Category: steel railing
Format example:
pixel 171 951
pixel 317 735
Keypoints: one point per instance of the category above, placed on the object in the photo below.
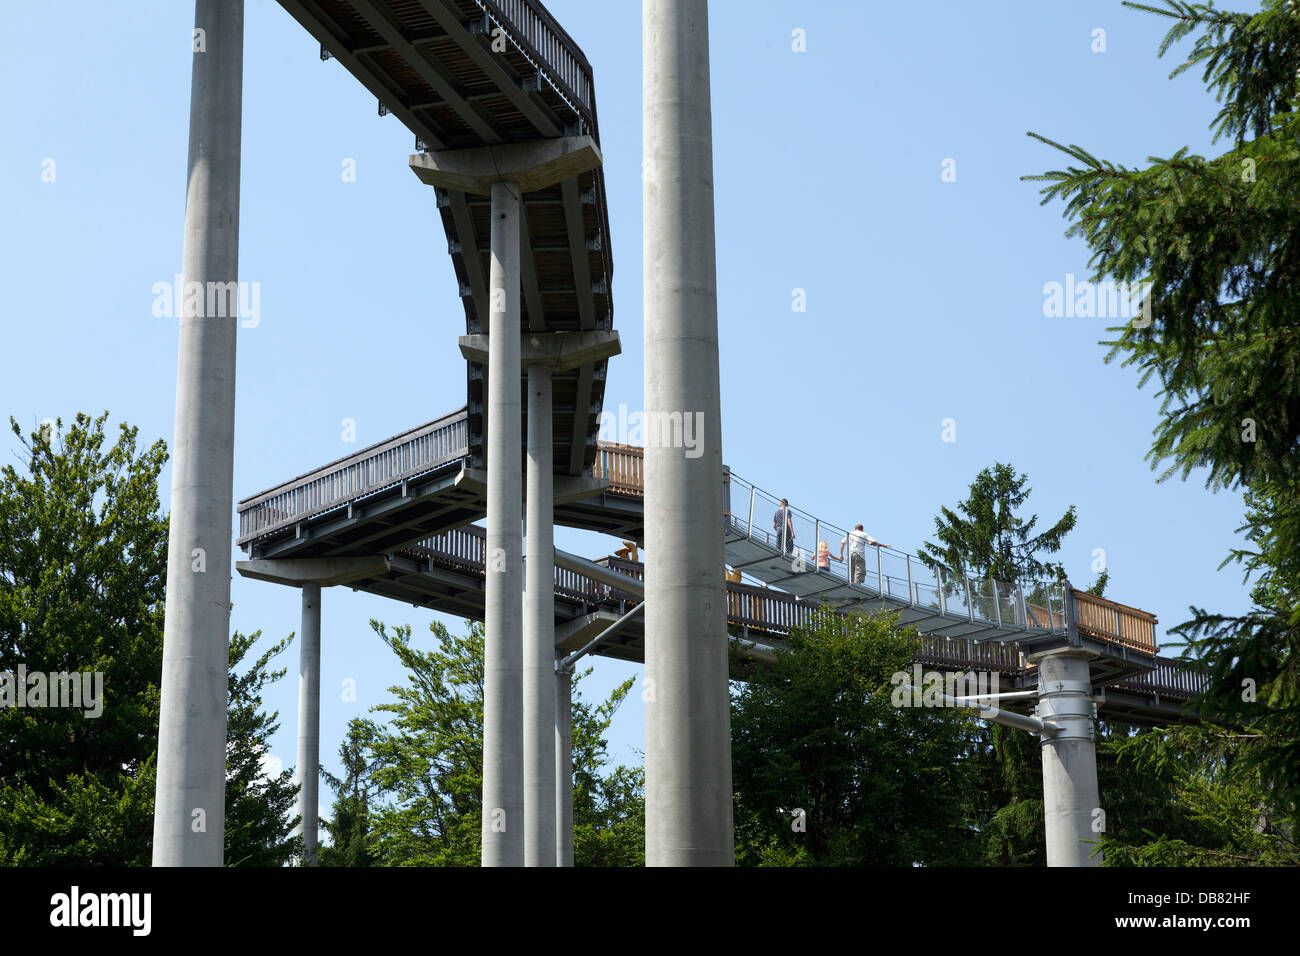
pixel 412 453
pixel 889 572
pixel 543 40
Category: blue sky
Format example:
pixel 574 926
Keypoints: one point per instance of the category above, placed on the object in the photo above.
pixel 924 298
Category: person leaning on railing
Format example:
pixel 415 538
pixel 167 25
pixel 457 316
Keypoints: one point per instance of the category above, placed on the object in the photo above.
pixel 857 541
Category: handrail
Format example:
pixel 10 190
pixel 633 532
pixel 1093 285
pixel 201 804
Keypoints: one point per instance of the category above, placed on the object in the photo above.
pixel 776 613
pixel 372 469
pixel 545 42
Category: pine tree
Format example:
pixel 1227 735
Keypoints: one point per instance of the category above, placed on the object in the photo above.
pixel 355 792
pixel 989 539
pixel 1213 241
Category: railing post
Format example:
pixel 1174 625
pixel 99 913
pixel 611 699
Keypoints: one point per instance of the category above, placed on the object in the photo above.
pixel 997 607
pixel 1020 604
pixel 943 602
pixel 911 592
pixel 752 492
pixel 880 573
pixel 970 604
pixel 817 544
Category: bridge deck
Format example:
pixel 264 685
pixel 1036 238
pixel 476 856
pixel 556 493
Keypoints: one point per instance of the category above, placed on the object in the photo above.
pixel 412 498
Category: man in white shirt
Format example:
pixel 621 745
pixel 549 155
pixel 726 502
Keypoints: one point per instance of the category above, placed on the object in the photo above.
pixel 857 541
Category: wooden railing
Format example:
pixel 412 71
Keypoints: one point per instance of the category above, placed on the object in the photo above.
pixel 1111 621
pixel 421 449
pixel 1171 678
pixel 623 466
pixel 990 655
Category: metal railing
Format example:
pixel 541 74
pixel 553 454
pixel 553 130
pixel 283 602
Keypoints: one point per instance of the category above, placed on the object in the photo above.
pixel 372 469
pixel 777 613
pixel 813 545
pixel 771 612
pixel 543 40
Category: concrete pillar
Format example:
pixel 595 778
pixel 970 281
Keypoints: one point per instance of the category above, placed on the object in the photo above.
pixel 308 777
pixel 688 746
pixel 189 814
pixel 503 752
pixel 563 764
pixel 1070 797
pixel 539 628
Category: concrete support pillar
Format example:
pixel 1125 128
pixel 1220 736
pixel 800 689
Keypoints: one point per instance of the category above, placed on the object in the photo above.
pixel 1070 797
pixel 189 809
pixel 688 746
pixel 505 172
pixel 503 752
pixel 539 628
pixel 309 722
pixel 563 764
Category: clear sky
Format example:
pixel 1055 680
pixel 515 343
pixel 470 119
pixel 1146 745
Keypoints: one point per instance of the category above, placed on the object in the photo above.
pixel 924 297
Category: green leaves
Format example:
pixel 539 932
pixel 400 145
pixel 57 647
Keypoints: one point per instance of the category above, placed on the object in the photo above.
pixel 412 794
pixel 817 731
pixel 83 568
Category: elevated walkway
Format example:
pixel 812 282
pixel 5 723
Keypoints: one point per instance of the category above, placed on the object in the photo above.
pixel 411 502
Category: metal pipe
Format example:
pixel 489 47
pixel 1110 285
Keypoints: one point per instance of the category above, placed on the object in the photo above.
pixel 602 636
pixel 599 572
pixel 1007 718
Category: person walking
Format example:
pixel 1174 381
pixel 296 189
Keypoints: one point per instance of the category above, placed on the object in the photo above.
pixel 824 557
pixel 783 525
pixel 857 541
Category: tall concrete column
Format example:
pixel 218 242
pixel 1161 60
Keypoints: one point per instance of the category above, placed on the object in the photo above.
pixel 309 722
pixel 503 752
pixel 504 172
pixel 688 746
pixel 1070 795
pixel 189 814
pixel 539 628
pixel 563 764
